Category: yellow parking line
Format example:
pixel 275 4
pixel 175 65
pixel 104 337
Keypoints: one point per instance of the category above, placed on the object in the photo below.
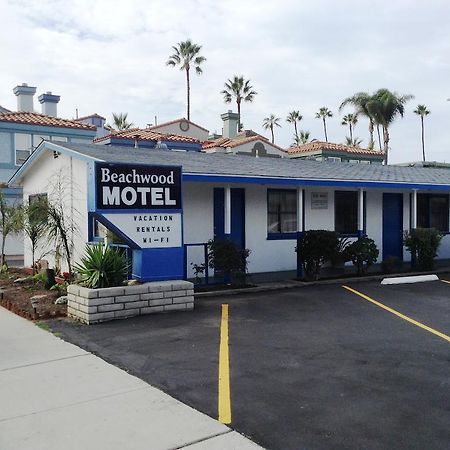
pixel 445 281
pixel 398 314
pixel 224 370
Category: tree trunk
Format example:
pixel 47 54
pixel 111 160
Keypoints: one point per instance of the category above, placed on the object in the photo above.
pixel 238 102
pixel 371 143
pixel 325 129
pixel 423 139
pixel 188 83
pixel 273 137
pixel 68 256
pixel 295 128
pixel 351 132
pixel 379 136
pixel 386 143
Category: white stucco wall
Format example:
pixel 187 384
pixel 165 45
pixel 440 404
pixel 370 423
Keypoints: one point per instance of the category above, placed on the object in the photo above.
pixel 43 177
pixel 279 255
pixel 198 226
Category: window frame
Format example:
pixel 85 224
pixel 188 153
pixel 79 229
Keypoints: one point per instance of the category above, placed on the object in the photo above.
pixel 352 233
pixel 428 197
pixel 30 148
pixel 280 235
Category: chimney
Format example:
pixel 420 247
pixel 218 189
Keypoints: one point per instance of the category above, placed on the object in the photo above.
pixel 24 95
pixel 49 104
pixel 230 124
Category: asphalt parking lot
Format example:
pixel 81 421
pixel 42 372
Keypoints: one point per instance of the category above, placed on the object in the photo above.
pixel 317 367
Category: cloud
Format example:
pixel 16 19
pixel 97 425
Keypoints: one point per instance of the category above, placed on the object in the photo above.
pixel 104 56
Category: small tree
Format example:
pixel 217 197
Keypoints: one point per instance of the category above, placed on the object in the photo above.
pixel 363 253
pixel 61 222
pixel 35 225
pixel 316 247
pixel 227 257
pixel 10 223
pixel 423 244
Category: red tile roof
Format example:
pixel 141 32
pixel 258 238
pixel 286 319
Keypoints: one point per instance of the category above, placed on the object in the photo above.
pixel 154 127
pixel 32 118
pixel 321 146
pixel 147 135
pixel 243 137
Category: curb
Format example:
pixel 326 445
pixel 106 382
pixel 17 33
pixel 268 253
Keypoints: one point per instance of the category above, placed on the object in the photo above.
pixel 292 284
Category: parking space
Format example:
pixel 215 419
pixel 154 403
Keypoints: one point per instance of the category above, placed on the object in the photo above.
pixel 317 367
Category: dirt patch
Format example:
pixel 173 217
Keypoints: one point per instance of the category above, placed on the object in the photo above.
pixel 16 297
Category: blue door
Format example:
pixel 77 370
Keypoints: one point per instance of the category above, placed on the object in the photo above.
pixel 237 215
pixel 393 226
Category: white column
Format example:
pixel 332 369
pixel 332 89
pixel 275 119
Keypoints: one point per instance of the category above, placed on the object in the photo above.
pixel 414 210
pixel 360 210
pixel 300 224
pixel 227 212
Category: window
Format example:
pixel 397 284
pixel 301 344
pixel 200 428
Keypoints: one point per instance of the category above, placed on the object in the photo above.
pixel 432 211
pixel 23 147
pixel 346 212
pixel 364 161
pixel 334 159
pixel 354 161
pixel 281 211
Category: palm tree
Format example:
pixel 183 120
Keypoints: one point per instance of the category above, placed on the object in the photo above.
pixel 294 117
pixel 303 138
pixel 240 90
pixel 384 108
pixel 120 121
pixel 323 114
pixel 353 142
pixel 422 111
pixel 271 122
pixel 186 54
pixel 360 101
pixel 351 120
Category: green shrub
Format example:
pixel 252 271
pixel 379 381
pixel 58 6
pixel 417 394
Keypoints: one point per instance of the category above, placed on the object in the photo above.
pixel 315 248
pixel 363 253
pixel 423 244
pixel 227 257
pixel 102 266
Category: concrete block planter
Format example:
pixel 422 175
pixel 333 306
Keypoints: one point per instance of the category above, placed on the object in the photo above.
pixel 98 305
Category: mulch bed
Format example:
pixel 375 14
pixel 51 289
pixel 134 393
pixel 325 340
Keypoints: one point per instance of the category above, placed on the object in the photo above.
pixel 16 298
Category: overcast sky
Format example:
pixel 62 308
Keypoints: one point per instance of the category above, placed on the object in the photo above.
pixel 104 56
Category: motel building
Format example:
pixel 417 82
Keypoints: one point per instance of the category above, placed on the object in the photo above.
pixel 166 204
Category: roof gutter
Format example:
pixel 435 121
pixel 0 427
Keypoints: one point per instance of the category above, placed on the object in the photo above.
pixel 244 179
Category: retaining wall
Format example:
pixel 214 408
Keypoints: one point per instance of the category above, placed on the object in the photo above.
pixel 99 305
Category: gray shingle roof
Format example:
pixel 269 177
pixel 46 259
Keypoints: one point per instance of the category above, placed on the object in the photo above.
pixel 230 164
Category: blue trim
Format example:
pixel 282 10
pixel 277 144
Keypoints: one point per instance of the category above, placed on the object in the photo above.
pixel 138 211
pixel 300 235
pixel 281 236
pixel 115 230
pixel 12 192
pixel 310 182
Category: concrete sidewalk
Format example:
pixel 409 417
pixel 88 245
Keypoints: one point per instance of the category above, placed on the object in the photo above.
pixel 54 395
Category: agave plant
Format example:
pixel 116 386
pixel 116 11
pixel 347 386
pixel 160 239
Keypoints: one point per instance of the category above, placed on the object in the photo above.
pixel 102 266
